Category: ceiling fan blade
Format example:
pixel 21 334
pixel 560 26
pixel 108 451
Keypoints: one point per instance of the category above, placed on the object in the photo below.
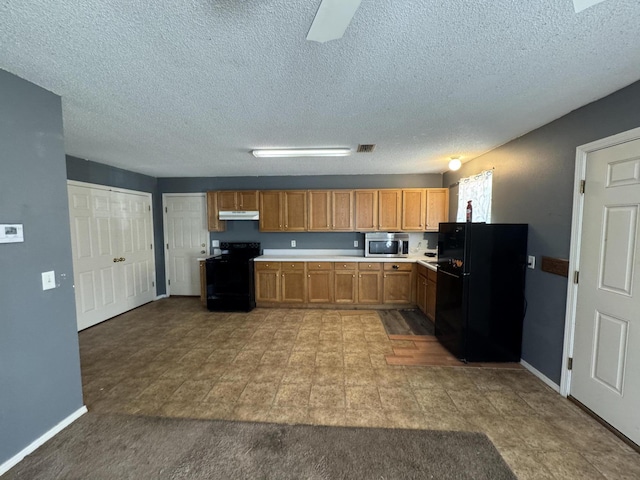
pixel 579 5
pixel 332 19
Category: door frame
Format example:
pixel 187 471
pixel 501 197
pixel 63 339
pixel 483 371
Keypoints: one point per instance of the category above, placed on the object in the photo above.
pixel 165 233
pixel 582 153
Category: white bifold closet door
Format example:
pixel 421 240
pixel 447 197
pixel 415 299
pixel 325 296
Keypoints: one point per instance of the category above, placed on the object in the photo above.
pixel 112 245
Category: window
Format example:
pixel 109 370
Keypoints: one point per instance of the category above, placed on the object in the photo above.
pixel 478 190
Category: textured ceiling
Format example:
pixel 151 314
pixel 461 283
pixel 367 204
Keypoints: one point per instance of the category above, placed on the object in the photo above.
pixel 188 88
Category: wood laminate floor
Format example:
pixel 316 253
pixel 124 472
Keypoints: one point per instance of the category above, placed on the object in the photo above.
pixel 334 367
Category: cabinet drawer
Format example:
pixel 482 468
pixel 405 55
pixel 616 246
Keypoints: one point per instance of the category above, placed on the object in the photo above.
pixel 267 266
pixel 398 267
pixel 312 266
pixel 345 266
pixel 432 275
pixel 295 266
pixel 364 266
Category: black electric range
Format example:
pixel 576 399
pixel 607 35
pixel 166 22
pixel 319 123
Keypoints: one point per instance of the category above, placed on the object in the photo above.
pixel 230 277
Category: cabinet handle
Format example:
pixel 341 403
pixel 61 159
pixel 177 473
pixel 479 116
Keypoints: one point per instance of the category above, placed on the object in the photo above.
pixel 309 276
pixel 360 276
pixel 286 226
pixel 354 276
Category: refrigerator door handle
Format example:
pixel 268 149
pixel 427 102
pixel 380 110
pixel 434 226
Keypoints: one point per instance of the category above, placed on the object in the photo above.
pixel 447 273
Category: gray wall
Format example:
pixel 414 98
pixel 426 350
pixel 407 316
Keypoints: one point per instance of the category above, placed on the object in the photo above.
pixel 39 361
pixel 100 174
pixel 533 183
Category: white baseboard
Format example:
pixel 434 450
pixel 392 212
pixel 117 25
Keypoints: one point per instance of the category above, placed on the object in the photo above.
pixel 13 461
pixel 160 297
pixel 541 376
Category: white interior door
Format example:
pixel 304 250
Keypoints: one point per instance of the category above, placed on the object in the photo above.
pixel 111 242
pixel 187 236
pixel 606 355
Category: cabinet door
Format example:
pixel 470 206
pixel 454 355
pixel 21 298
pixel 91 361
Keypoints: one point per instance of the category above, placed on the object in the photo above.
pixel 437 208
pixel 370 287
pixel 295 211
pixel 320 283
pixel 431 295
pixel 270 211
pixel 247 200
pixel 227 200
pixel 319 210
pixel 366 210
pixel 342 210
pixel 203 283
pixel 345 285
pixel 294 282
pixel 397 287
pixel 213 222
pixel 389 210
pixel 421 293
pixel 414 209
pixel 267 282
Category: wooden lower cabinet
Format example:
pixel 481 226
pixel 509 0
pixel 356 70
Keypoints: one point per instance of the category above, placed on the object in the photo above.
pixel 203 282
pixel 294 282
pixel 351 283
pixel 268 281
pixel 369 283
pixel 398 285
pixel 432 279
pixel 320 282
pixel 421 288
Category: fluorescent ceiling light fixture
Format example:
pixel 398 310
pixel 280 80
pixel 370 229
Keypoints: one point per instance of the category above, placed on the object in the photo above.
pixel 332 19
pixel 302 152
pixel 455 163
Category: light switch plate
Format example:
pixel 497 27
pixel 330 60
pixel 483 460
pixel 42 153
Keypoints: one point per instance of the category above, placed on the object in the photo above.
pixel 48 280
pixel 293 243
pixel 355 243
pixel 531 262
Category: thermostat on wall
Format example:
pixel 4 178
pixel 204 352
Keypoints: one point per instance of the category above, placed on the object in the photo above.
pixel 11 233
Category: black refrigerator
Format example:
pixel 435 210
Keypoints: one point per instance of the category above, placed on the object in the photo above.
pixel 480 298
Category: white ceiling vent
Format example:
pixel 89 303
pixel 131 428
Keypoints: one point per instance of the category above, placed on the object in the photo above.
pixel 366 148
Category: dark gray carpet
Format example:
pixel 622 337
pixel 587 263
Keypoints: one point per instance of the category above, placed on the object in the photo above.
pixel 406 322
pixel 134 447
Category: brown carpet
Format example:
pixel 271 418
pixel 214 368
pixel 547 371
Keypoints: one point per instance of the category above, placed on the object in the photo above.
pixel 135 447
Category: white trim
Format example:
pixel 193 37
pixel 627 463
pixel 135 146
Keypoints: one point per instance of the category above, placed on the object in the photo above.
pixel 13 461
pixel 541 376
pixel 165 234
pixel 160 297
pixel 576 233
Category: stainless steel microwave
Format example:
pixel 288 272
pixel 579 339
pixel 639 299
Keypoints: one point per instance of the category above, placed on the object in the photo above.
pixel 382 244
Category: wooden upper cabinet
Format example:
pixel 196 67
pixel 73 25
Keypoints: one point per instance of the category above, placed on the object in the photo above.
pixel 270 211
pixel 366 217
pixel 295 211
pixel 437 208
pixel 320 210
pixel 389 210
pixel 213 222
pixel 414 208
pixel 342 210
pixel 241 200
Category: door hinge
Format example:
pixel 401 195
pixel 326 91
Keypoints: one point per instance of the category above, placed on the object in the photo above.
pixel 570 363
pixel 153 284
pixel 582 185
pixel 149 207
pixel 151 246
pixel 576 276
pixel 167 246
pixel 166 210
pixel 169 282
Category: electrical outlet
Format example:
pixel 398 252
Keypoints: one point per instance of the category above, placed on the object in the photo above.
pixel 531 262
pixel 355 243
pixel 215 243
pixel 48 280
pixel 293 243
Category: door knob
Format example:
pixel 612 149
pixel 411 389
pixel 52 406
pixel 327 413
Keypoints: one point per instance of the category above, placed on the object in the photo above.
pixel 202 251
pixel 115 260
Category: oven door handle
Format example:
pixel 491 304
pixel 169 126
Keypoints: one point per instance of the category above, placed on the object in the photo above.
pixel 447 273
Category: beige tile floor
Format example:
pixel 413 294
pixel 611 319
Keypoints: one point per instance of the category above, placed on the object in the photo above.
pixel 327 367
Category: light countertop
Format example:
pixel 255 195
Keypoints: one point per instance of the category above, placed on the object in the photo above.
pixel 422 260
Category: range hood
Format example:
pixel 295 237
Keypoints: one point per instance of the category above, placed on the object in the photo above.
pixel 239 215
